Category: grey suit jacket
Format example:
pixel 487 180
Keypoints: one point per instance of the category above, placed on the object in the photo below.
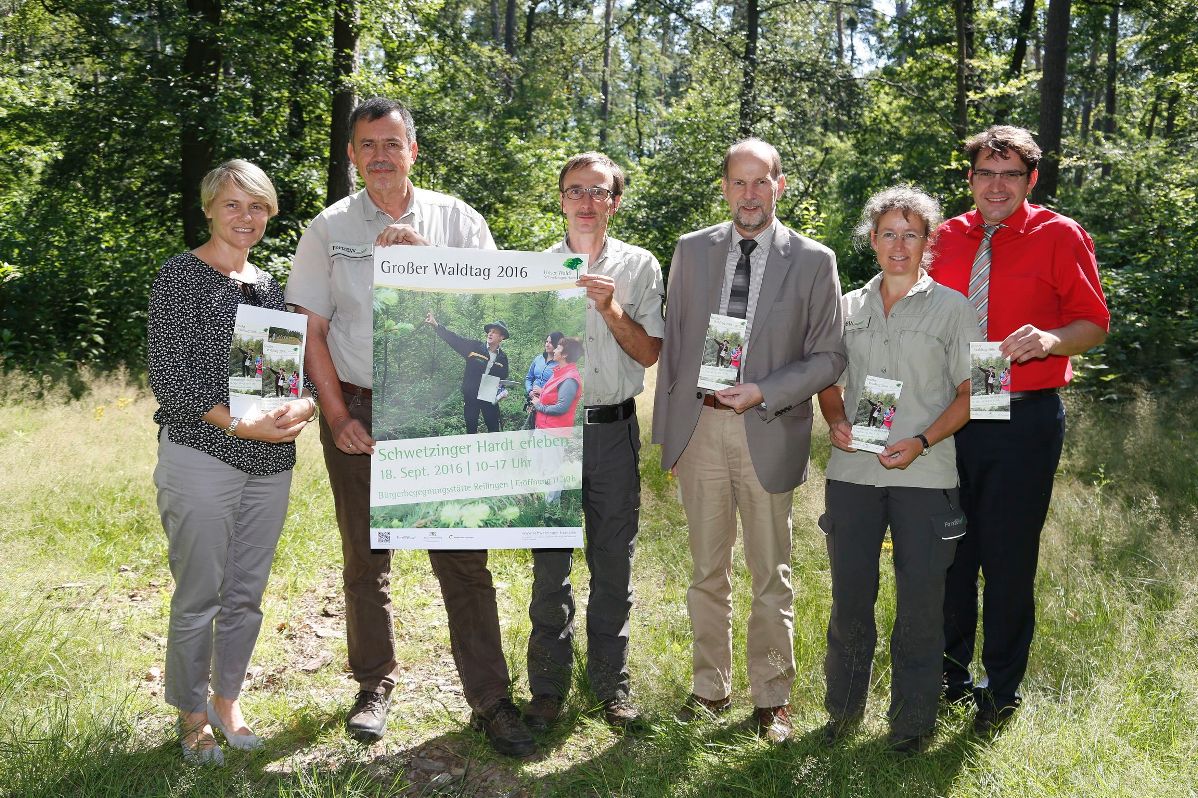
pixel 795 348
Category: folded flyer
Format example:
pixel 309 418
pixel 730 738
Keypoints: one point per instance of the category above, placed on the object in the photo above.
pixel 875 413
pixel 723 352
pixel 266 359
pixel 989 382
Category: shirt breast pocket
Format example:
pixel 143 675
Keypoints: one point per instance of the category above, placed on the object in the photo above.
pixel 353 285
pixel 922 357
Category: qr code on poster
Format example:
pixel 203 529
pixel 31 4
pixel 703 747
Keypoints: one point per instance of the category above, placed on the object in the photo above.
pixel 384 535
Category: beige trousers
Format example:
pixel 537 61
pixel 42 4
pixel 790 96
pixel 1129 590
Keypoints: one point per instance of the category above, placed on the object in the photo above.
pixel 716 479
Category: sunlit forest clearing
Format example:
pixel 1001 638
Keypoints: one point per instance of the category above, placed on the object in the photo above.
pixel 110 113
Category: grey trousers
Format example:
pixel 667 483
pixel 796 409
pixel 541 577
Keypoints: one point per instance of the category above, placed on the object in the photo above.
pixel 855 523
pixel 221 526
pixel 611 500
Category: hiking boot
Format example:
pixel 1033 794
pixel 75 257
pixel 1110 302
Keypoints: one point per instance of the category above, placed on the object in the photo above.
pixel 505 731
pixel 622 715
pixel 367 719
pixel 696 707
pixel 542 712
pixel 773 723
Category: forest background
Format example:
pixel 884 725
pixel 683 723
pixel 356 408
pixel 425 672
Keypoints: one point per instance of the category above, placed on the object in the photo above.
pixel 111 112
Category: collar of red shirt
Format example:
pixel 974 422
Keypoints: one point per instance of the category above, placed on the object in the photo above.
pixel 1017 221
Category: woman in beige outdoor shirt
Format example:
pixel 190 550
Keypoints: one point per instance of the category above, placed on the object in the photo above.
pixel 899 326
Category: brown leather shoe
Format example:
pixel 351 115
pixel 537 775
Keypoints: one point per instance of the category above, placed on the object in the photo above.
pixel 367 719
pixel 505 729
pixel 542 712
pixel 622 715
pixel 696 707
pixel 773 723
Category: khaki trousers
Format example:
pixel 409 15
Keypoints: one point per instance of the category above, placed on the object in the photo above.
pixel 716 479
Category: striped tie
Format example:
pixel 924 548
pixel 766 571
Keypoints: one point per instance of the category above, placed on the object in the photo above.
pixel 738 294
pixel 979 277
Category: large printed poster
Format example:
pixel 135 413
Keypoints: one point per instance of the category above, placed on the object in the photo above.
pixel 464 459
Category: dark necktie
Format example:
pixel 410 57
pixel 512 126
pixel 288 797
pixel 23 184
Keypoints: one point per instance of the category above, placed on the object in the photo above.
pixel 979 277
pixel 738 296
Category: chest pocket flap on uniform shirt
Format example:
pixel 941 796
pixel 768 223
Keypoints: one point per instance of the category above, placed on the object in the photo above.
pixel 349 249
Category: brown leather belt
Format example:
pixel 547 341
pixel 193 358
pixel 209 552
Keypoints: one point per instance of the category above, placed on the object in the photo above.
pixel 710 400
pixel 355 390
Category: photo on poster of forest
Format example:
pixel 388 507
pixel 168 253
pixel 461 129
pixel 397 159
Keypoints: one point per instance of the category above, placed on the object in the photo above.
pixel 418 377
pixel 418 393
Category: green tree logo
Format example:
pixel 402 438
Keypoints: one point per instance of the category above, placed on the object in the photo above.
pixel 573 263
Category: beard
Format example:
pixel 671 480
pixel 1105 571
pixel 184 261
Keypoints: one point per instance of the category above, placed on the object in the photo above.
pixel 752 220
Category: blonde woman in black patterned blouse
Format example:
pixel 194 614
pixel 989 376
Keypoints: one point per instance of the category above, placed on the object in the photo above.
pixel 222 481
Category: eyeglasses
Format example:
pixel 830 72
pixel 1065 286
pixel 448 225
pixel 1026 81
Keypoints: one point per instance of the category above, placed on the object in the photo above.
pixel 986 174
pixel 247 293
pixel 908 238
pixel 599 193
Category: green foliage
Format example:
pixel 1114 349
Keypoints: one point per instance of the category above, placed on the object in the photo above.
pixel 92 101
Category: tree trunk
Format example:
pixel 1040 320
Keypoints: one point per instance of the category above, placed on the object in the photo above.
pixel 509 28
pixel 1088 99
pixel 529 22
pixel 1152 112
pixel 198 118
pixel 963 13
pixel 1112 69
pixel 1052 98
pixel 901 9
pixel 748 84
pixel 345 63
pixel 1171 114
pixel 496 28
pixel 605 80
pixel 1018 56
pixel 839 34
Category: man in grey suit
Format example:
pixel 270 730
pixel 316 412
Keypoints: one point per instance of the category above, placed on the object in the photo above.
pixel 746 447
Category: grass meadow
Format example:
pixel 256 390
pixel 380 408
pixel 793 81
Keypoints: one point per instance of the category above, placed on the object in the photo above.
pixel 1111 704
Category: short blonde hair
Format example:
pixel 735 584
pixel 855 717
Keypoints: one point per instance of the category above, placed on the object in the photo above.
pixel 246 176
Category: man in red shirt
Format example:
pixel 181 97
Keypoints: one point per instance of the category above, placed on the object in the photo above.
pixel 1032 276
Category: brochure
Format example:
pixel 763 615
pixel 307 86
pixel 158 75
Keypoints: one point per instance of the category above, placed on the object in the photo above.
pixel 989 382
pixel 723 352
pixel 266 359
pixel 875 413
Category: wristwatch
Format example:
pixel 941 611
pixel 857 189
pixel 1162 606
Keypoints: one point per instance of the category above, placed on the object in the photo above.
pixel 924 440
pixel 231 430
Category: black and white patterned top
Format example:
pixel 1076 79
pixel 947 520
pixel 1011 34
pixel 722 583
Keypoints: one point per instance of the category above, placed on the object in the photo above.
pixel 192 309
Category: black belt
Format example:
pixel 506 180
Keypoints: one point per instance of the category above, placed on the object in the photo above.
pixel 606 414
pixel 1017 396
